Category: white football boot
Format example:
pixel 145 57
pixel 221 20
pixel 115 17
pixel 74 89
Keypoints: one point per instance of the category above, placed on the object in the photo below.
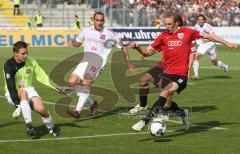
pixel 139 126
pixel 137 109
pixel 17 113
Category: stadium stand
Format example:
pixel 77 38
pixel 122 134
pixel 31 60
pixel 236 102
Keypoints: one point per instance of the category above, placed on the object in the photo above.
pixel 7 17
pixel 60 13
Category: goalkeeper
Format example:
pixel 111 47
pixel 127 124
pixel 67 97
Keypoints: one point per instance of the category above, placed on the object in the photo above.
pixel 19 72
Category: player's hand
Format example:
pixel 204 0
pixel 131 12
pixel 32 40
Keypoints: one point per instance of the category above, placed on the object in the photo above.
pixel 143 58
pixel 189 74
pixel 71 43
pixel 133 69
pixel 233 45
pixel 64 90
pixel 59 89
pixel 133 45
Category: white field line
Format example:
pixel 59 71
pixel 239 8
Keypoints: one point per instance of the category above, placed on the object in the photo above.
pixel 102 135
pixel 75 137
pixel 173 121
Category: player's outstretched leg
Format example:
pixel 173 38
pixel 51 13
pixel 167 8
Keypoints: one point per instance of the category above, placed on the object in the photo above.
pixel 221 65
pixel 182 113
pixel 195 69
pixel 83 92
pixel 30 130
pixel 17 113
pixel 93 107
pixel 158 105
pixel 47 120
pixel 143 94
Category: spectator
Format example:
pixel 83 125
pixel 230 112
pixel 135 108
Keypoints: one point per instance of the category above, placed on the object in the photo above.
pixel 16 5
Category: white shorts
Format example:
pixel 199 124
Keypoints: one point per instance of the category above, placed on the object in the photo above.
pixel 209 48
pixel 87 70
pixel 31 92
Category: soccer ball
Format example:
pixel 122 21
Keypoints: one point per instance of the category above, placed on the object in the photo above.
pixel 157 128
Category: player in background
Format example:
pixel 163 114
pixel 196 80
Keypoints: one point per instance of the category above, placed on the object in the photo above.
pixel 98 42
pixel 19 72
pixel 206 46
pixel 175 45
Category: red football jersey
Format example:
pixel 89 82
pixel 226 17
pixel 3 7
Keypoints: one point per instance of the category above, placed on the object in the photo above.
pixel 176 49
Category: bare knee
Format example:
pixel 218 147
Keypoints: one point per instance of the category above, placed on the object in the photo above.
pixel 144 82
pixel 73 80
pixel 214 62
pixel 87 82
pixel 197 56
pixel 165 93
pixel 42 111
pixel 22 94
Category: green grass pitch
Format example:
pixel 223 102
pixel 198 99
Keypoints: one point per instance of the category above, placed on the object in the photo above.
pixel 213 100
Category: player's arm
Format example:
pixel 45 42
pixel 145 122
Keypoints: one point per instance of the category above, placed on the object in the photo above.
pixel 74 43
pixel 215 38
pixel 41 76
pixel 145 51
pixel 9 76
pixel 131 67
pixel 79 40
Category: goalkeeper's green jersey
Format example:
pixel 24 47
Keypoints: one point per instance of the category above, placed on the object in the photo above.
pixel 20 75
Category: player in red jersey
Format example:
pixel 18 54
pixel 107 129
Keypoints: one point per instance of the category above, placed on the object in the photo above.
pixel 175 45
pixel 154 75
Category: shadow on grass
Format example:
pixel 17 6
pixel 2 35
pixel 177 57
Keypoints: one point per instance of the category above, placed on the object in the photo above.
pixel 9 124
pixel 42 130
pixel 195 128
pixel 214 77
pixel 202 108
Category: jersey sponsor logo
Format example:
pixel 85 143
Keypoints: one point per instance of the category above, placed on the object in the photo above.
pixel 180 80
pixel 110 43
pixel 174 43
pixel 28 70
pixel 180 35
pixel 102 36
pixel 7 75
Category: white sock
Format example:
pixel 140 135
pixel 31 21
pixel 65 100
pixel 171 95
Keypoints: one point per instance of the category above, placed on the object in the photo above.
pixel 26 111
pixel 195 67
pixel 48 122
pixel 220 64
pixel 83 96
pixel 90 101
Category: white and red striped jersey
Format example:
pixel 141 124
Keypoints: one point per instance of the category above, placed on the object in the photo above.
pixel 205 29
pixel 99 42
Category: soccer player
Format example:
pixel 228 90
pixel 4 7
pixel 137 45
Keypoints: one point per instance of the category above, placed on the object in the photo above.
pixel 175 46
pixel 19 72
pixel 98 42
pixel 154 75
pixel 206 46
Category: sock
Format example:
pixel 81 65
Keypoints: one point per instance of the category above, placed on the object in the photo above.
pixel 26 111
pixel 158 105
pixel 143 94
pixel 176 110
pixel 195 67
pixel 48 122
pixel 83 96
pixel 90 101
pixel 220 64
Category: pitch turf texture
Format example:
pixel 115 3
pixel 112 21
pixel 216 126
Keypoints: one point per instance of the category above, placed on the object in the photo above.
pixel 213 101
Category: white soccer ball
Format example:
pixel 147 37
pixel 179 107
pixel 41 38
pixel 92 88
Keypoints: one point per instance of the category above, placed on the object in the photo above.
pixel 157 128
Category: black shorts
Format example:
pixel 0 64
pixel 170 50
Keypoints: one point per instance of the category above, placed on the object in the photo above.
pixel 180 80
pixel 156 73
